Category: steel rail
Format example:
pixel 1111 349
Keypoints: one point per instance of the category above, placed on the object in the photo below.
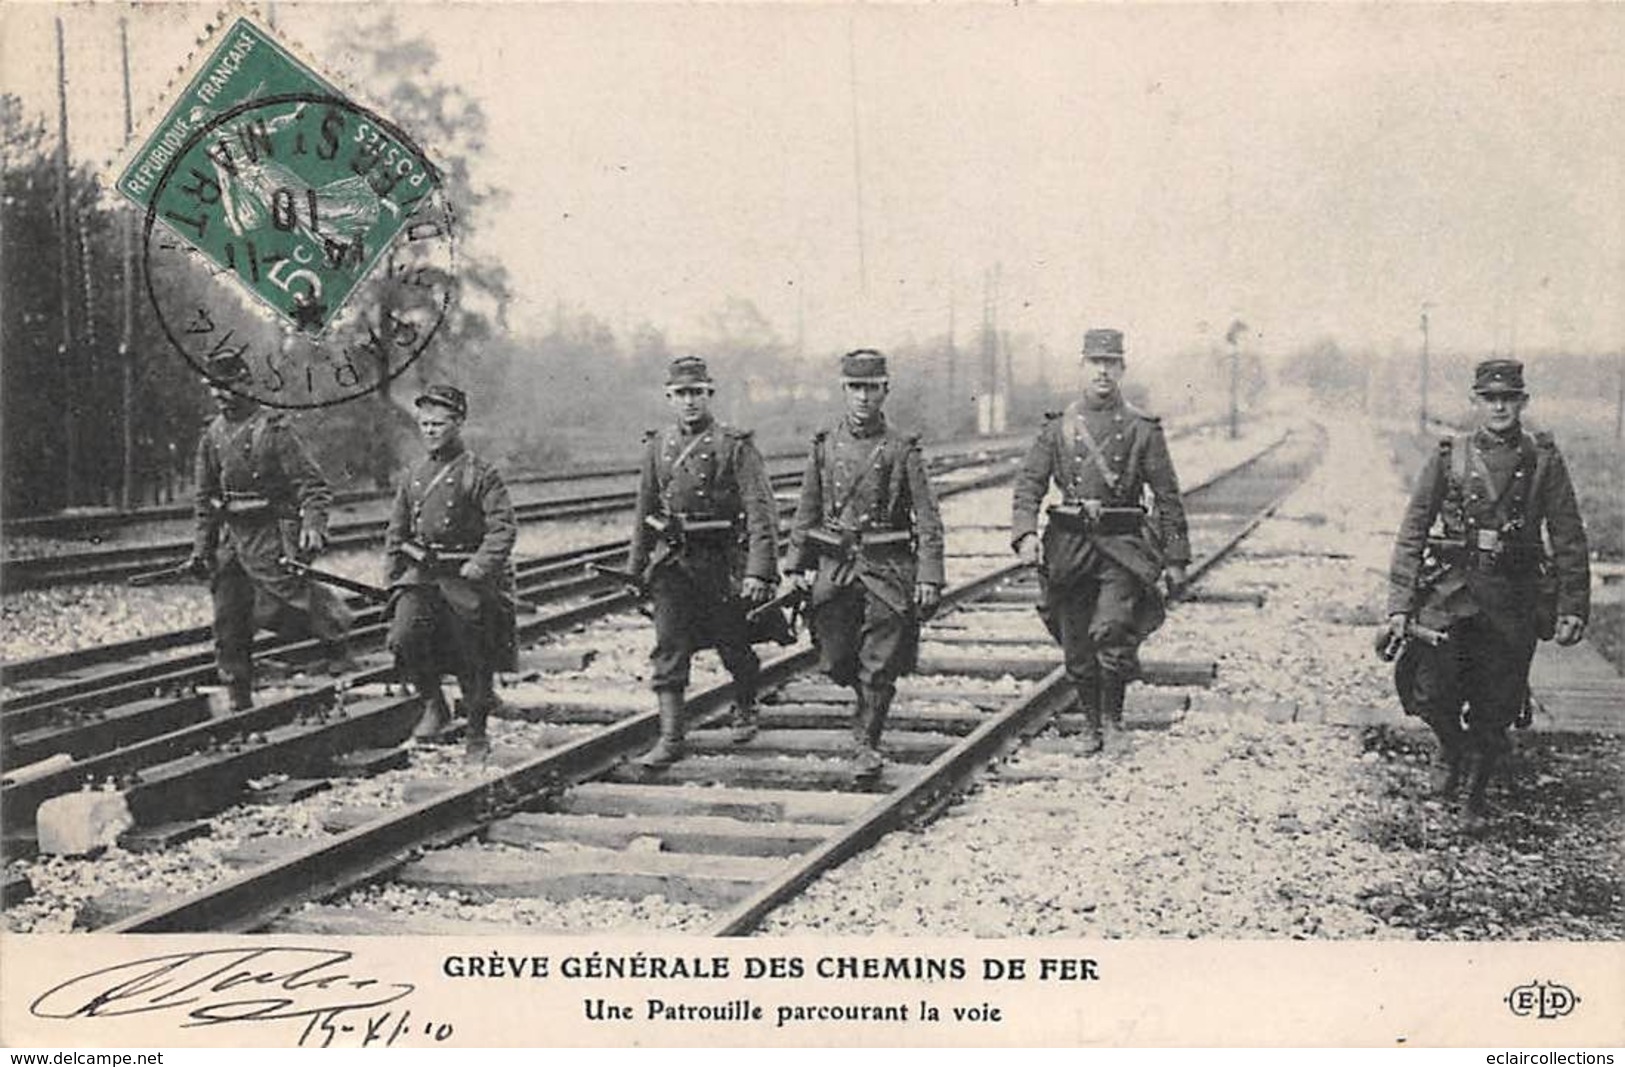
pixel 256 898
pixel 950 771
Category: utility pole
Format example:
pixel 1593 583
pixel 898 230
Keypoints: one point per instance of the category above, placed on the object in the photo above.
pixel 70 391
pixel 1422 409
pixel 126 344
pixel 1232 337
pixel 952 406
pixel 1619 399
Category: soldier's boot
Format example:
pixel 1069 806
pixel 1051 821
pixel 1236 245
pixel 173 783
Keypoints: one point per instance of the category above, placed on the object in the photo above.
pixel 1451 770
pixel 479 697
pixel 436 716
pixel 670 748
pixel 1112 690
pixel 746 719
pixel 242 693
pixel 1478 808
pixel 873 708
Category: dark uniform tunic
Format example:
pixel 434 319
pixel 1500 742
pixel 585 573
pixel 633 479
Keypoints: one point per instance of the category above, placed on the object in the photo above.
pixel 703 473
pixel 256 489
pixel 1099 594
pixel 868 483
pixel 455 504
pixel 1493 495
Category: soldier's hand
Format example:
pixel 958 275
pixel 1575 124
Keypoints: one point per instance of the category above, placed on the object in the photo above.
pixel 926 596
pixel 1570 628
pixel 197 564
pixel 805 579
pixel 1397 623
pixel 311 540
pixel 1175 575
pixel 472 571
pixel 754 590
pixel 1028 550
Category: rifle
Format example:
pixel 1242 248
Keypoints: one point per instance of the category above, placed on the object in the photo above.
pixel 1390 646
pixel 632 582
pixel 792 599
pixel 316 574
pixel 164 574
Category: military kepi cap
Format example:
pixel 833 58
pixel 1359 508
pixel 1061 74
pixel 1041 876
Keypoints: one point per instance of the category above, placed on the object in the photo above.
pixel 1498 377
pixel 226 369
pixel 449 397
pixel 688 370
pixel 1103 344
pixel 863 365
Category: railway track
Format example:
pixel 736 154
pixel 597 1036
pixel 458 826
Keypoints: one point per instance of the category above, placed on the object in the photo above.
pixel 740 828
pixel 114 564
pixel 109 715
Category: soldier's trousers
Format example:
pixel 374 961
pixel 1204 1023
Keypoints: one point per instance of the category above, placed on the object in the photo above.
pixel 1092 615
pixel 428 637
pixel 241 608
pixel 864 640
pixel 689 616
pixel 1480 667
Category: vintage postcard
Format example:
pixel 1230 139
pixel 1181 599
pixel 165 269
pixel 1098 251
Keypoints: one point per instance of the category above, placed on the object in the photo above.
pixel 835 524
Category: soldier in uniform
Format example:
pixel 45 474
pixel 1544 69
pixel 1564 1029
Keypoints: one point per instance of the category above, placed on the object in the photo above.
pixel 447 553
pixel 867 544
pixel 1483 577
pixel 705 546
pixel 260 499
pixel 1103 551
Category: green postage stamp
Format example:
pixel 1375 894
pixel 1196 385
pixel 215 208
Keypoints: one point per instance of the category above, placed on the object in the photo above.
pixel 263 171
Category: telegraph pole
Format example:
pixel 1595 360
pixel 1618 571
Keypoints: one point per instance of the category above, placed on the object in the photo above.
pixel 70 391
pixel 1422 410
pixel 126 344
pixel 1232 337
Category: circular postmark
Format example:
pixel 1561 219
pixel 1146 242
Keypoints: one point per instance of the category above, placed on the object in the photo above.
pixel 307 236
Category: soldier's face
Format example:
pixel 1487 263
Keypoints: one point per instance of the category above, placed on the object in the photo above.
pixel 1101 376
pixel 1499 411
pixel 691 402
pixel 438 425
pixel 865 399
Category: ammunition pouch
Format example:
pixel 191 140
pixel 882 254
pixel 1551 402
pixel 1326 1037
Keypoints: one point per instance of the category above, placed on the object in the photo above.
pixel 1487 552
pixel 244 506
pixel 437 559
pixel 1109 521
pixel 680 528
pixel 837 545
pixel 843 545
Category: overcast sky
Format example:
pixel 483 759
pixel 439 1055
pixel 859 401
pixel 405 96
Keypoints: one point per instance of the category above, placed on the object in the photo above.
pixel 1312 170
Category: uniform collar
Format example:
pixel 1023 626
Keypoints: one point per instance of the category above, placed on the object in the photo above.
pixel 873 428
pixel 1488 438
pixel 447 452
pixel 690 429
pixel 1091 402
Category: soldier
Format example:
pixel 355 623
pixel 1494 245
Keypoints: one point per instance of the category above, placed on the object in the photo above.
pixel 260 499
pixel 705 545
pixel 447 551
pixel 1481 578
pixel 1103 551
pixel 867 544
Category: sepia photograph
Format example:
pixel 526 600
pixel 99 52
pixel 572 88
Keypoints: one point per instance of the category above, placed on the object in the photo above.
pixel 842 524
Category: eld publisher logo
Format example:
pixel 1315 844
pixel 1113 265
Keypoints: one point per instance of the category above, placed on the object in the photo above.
pixel 1543 1000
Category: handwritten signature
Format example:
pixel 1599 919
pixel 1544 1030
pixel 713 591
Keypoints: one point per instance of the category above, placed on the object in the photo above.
pixel 230 985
